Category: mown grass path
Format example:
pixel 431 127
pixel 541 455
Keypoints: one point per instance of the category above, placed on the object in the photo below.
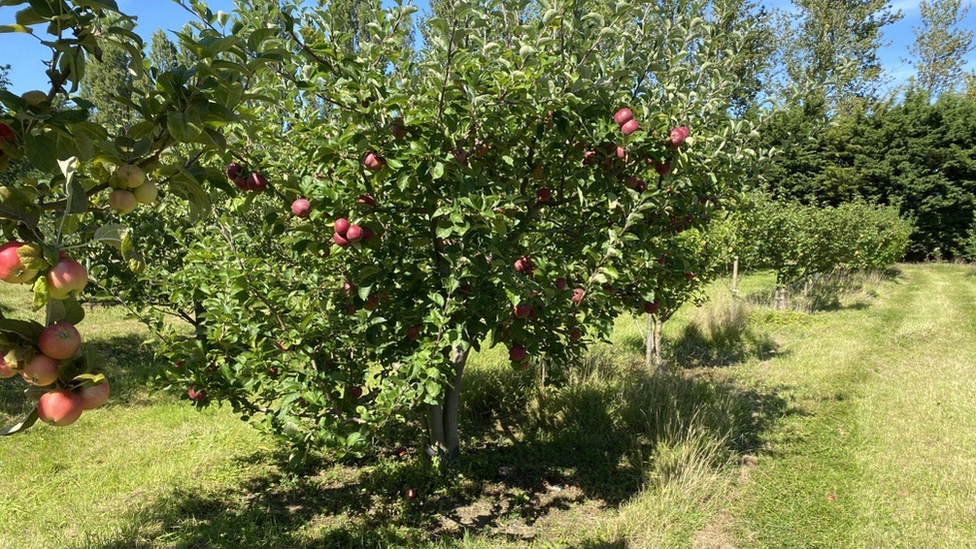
pixel 878 444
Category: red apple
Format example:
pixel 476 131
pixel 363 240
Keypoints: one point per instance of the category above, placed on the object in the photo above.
pixel 678 136
pixel 372 303
pixel 543 194
pixel 662 168
pixel 622 153
pixel 340 240
pixel 59 407
pixel 629 127
pixel 524 265
pixel 517 353
pixel 354 233
pixel 65 278
pixel 233 170
pixel 461 156
pixel 6 371
pixel 356 391
pixel 93 396
pixel 6 134
pixel 196 395
pixel 373 161
pixel 257 183
pixel 368 233
pixel 122 201
pixel 60 341
pixel 522 310
pixel 560 283
pixel 689 276
pixel 301 208
pixel 578 294
pixel 590 157
pixel 348 287
pixel 341 226
pixel 41 370
pixel 11 267
pixel 623 116
pixel 575 334
pixel 350 308
pixel 366 200
pixel 650 307
pixel 413 332
pixel 660 260
pixel 241 183
pixel 410 494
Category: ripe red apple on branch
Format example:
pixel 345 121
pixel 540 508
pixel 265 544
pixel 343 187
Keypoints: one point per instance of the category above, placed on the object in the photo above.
pixel 66 278
pixel 6 371
pixel 301 207
pixel 6 134
pixel 60 407
pixel 12 268
pixel 60 341
pixel 93 396
pixel 41 371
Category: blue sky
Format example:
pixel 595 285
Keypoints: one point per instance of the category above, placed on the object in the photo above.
pixel 25 54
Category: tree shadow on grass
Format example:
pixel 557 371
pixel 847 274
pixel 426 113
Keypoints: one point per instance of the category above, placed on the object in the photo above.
pixel 552 454
pixel 129 365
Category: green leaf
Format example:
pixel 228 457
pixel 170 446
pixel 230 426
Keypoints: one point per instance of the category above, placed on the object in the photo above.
pixel 42 152
pixel 89 379
pixel 66 310
pixel 32 257
pixel 104 4
pixel 25 423
pixel 15 28
pixel 183 127
pixel 41 295
pixel 437 171
pixel 27 330
pixel 77 198
pixel 111 234
pixel 18 205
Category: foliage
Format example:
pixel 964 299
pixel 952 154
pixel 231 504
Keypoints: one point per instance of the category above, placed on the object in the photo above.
pixel 829 48
pixel 940 47
pixel 914 155
pixel 493 179
pixel 803 241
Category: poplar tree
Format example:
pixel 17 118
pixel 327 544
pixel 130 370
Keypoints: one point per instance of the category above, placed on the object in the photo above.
pixel 940 46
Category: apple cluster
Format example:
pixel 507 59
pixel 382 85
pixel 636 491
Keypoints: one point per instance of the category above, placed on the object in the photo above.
pixel 254 182
pixel 347 233
pixel 45 363
pixel 130 188
pixel 21 264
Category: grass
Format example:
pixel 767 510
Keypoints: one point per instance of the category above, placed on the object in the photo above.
pixel 846 427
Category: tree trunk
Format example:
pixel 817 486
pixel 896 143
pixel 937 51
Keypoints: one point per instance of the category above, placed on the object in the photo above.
pixel 442 419
pixel 735 276
pixel 652 356
pixel 658 329
pixel 649 346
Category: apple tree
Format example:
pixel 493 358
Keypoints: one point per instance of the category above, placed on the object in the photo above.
pixel 76 180
pixel 511 183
